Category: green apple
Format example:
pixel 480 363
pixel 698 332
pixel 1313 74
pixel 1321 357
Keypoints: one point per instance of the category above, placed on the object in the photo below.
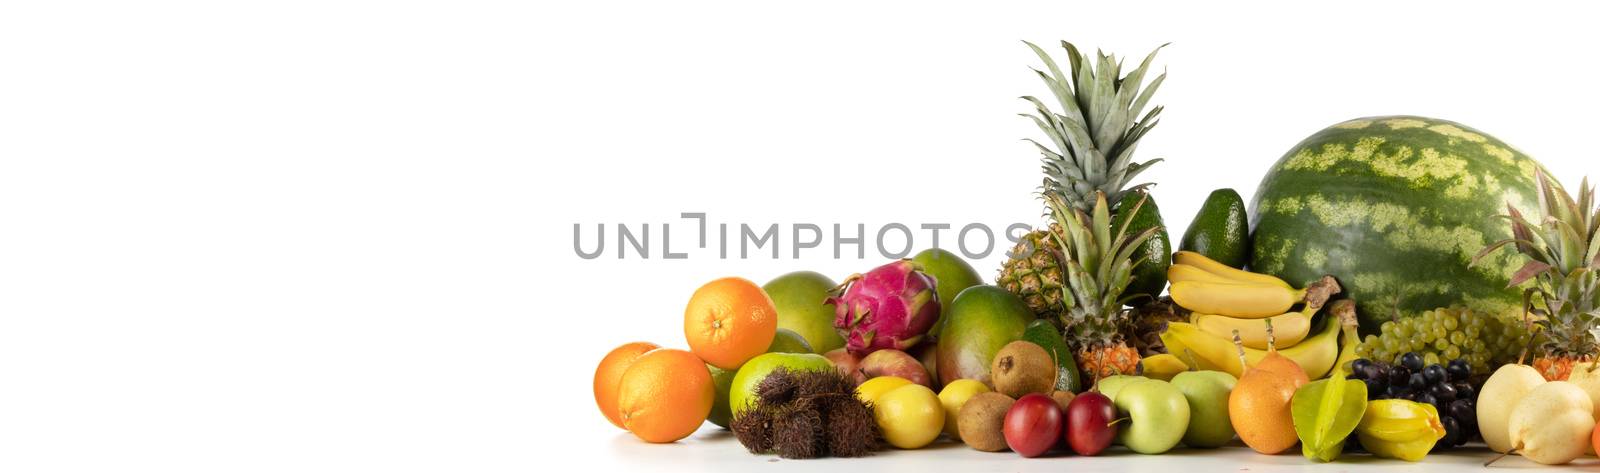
pixel 786 341
pixel 952 274
pixel 799 297
pixel 1207 393
pixel 1110 385
pixel 721 380
pixel 743 390
pixel 1157 415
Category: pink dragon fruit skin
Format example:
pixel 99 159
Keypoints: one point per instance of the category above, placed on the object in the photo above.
pixel 892 306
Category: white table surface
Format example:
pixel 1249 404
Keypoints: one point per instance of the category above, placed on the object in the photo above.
pixel 714 449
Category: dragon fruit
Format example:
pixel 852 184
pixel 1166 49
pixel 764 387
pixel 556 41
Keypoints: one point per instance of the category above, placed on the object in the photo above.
pixel 892 306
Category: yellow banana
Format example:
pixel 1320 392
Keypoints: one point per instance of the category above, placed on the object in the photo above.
pixel 1289 328
pixel 1162 367
pixel 1345 310
pixel 1246 301
pixel 1198 260
pixel 1316 354
pixel 1184 354
pixel 1184 272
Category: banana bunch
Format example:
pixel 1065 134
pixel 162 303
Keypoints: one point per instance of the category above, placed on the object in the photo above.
pixel 1333 344
pixel 1204 351
pixel 1223 299
pixel 1397 428
pixel 1290 328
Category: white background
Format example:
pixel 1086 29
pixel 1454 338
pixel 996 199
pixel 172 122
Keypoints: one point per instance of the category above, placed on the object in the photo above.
pixel 336 236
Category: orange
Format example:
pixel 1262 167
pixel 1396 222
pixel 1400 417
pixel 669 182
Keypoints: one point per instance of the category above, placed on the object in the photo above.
pixel 665 395
pixel 609 374
pixel 729 321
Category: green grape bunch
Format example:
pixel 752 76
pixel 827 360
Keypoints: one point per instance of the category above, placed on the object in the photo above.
pixel 1441 335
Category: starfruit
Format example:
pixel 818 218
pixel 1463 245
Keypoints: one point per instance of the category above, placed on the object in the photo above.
pixel 1325 412
pixel 1397 428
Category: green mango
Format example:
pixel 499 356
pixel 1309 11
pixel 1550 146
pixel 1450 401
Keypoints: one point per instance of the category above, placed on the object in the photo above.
pixel 952 274
pixel 1221 230
pixel 1154 256
pixel 1045 335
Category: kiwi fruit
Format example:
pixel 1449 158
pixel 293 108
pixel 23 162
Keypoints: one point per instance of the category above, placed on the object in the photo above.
pixel 981 420
pixel 1022 368
pixel 1062 398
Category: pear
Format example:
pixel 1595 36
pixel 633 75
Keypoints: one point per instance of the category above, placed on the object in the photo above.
pixel 1498 397
pixel 1587 377
pixel 1552 424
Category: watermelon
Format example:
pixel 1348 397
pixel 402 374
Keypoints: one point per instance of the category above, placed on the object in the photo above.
pixel 1395 207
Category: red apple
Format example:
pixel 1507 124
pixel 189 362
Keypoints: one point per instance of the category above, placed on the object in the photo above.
pixel 846 363
pixel 1089 418
pixel 890 362
pixel 1032 425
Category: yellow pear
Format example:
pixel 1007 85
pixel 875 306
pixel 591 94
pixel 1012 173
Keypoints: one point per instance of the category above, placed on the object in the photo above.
pixel 1496 399
pixel 1587 377
pixel 1552 424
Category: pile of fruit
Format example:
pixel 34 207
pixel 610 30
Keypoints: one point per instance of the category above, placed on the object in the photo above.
pixel 752 364
pixel 1098 333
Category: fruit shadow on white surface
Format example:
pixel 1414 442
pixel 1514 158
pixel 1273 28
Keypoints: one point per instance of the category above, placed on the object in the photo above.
pixel 714 449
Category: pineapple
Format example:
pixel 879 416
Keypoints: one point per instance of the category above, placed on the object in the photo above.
pixel 1034 272
pixel 1090 157
pixel 1098 264
pixel 1563 257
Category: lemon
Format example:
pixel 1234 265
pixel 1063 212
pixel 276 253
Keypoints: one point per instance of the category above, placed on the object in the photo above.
pixel 910 416
pixel 955 395
pixel 870 390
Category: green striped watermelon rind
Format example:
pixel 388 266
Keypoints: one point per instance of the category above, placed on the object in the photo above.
pixel 1395 207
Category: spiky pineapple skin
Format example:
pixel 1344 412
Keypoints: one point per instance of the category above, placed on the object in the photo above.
pixel 1567 342
pixel 1109 359
pixel 1558 368
pixel 1036 276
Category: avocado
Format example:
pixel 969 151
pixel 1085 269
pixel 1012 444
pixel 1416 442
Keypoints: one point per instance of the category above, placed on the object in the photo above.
pixel 1221 230
pixel 1153 256
pixel 1047 336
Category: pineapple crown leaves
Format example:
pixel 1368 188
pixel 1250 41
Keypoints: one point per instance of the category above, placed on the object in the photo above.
pixel 1568 234
pixel 1563 255
pixel 1098 263
pixel 1566 239
pixel 1099 127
